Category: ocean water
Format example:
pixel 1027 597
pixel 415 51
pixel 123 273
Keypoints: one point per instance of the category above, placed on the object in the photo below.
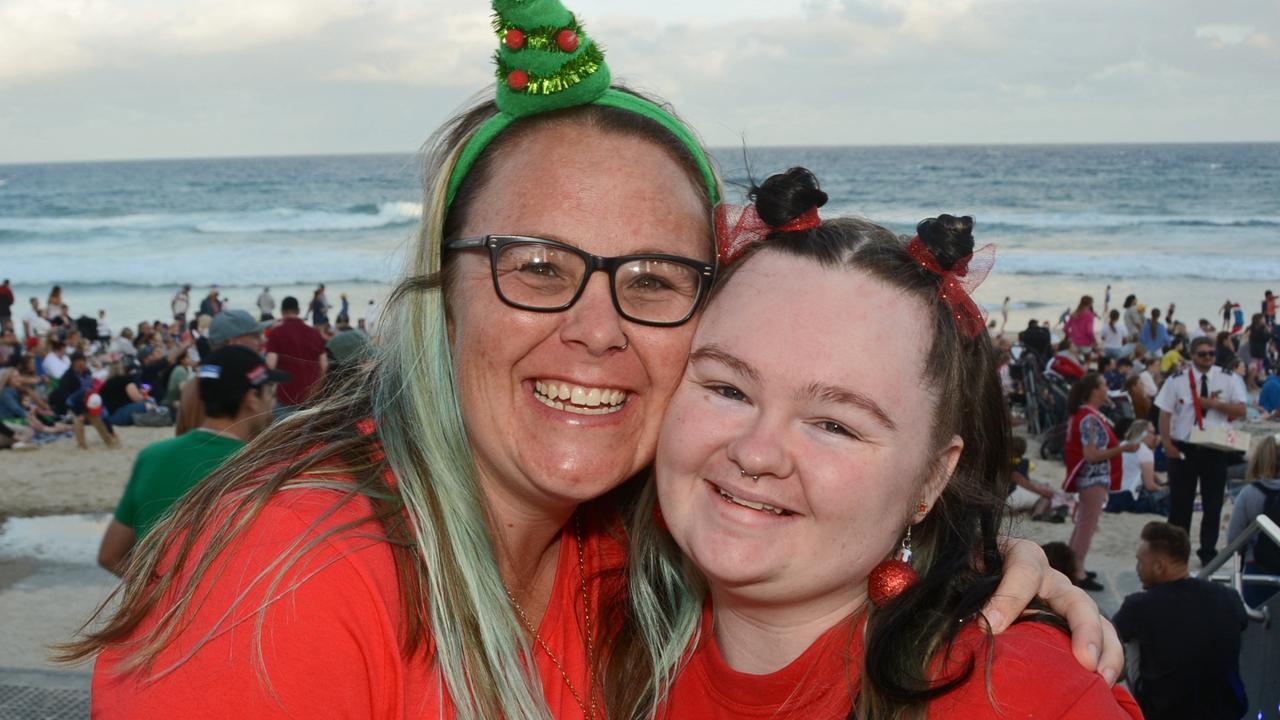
pixel 1186 223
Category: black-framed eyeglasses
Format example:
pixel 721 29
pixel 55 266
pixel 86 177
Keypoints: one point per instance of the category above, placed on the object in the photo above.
pixel 549 276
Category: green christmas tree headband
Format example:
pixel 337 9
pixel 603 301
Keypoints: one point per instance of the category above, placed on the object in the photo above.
pixel 545 62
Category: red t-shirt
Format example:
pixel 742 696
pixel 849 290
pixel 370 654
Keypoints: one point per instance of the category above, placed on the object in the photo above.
pixel 1033 675
pixel 329 641
pixel 299 347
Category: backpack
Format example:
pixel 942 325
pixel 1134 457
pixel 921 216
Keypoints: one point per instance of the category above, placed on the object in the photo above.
pixel 1265 551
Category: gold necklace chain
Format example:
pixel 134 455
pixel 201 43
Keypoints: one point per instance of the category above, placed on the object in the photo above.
pixel 590 712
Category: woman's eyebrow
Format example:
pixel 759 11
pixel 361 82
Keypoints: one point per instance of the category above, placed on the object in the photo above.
pixel 837 394
pixel 715 353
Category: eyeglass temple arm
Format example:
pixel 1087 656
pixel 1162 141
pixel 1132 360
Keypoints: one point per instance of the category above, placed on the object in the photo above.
pixel 467 243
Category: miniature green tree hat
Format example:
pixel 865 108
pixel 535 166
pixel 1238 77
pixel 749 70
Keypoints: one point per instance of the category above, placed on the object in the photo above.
pixel 546 62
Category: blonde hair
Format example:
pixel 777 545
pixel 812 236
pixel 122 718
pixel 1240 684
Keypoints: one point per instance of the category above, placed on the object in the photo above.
pixel 1262 460
pixel 1136 430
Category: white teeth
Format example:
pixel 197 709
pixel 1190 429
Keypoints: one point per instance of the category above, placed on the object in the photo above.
pixel 763 507
pixel 578 399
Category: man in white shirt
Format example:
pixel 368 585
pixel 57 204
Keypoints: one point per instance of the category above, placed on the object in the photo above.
pixel 266 305
pixel 180 303
pixel 56 362
pixel 1206 395
pixel 34 323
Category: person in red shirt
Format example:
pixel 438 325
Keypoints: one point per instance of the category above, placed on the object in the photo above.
pixel 298 349
pixel 840 408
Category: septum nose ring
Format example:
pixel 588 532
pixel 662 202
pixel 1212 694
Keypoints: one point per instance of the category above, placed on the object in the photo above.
pixel 743 473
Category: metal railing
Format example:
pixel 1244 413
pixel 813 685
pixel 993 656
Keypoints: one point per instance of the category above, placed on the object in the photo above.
pixel 1236 577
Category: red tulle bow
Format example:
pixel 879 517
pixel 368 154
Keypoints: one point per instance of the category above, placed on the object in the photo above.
pixel 739 227
pixel 959 282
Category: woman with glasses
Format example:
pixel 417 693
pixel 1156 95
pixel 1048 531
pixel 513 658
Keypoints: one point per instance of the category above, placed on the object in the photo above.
pixel 440 535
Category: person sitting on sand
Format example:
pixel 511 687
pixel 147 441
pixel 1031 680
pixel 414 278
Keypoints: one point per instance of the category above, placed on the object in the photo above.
pixel 1139 491
pixel 1027 495
pixel 16 405
pixel 237 392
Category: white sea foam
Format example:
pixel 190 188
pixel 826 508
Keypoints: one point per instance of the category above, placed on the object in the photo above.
pixel 1224 266
pixel 275 220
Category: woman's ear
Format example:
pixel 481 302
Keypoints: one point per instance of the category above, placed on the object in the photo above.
pixel 943 466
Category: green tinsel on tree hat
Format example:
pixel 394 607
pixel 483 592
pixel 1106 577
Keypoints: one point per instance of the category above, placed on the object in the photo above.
pixel 546 62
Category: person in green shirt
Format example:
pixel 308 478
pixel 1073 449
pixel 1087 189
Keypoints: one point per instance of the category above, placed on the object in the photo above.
pixel 237 390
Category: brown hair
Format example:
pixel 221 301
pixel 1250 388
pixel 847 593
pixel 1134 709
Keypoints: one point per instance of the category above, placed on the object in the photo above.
pixel 1079 393
pixel 957 550
pixel 1168 540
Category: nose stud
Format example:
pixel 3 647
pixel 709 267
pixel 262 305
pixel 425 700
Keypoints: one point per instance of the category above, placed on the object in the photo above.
pixel 743 473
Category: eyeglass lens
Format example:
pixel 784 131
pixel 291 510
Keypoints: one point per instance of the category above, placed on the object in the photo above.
pixel 547 277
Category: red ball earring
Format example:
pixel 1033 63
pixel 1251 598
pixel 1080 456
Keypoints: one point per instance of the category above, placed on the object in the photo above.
pixel 892 577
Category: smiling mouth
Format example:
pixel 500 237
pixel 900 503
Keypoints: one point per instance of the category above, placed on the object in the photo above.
pixel 579 399
pixel 761 507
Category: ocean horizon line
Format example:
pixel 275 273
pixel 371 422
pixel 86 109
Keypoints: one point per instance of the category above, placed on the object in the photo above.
pixel 713 148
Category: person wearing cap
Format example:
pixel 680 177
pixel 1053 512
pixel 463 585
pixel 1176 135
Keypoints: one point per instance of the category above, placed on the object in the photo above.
pixel 232 327
pixel 298 349
pixel 237 392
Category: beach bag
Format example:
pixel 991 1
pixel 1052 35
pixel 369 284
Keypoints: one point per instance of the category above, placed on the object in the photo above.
pixel 1265 551
pixel 155 417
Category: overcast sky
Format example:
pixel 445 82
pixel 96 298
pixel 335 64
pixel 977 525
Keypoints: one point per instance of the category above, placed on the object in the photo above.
pixel 116 79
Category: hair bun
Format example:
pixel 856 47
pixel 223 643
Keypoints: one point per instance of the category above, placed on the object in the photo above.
pixel 949 238
pixel 786 196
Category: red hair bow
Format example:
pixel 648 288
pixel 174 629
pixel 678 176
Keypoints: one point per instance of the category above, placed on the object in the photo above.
pixel 959 282
pixel 739 227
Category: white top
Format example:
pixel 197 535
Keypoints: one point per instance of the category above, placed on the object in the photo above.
pixel 1148 383
pixel 266 303
pixel 37 323
pixel 55 366
pixel 181 302
pixel 1175 398
pixel 1133 462
pixel 1112 338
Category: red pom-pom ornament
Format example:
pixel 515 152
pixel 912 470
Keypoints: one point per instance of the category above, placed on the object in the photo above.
pixel 567 40
pixel 891 578
pixel 518 80
pixel 514 39
pixel 888 580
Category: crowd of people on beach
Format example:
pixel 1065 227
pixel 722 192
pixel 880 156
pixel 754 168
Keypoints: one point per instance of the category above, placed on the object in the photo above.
pixel 1148 414
pixel 61 374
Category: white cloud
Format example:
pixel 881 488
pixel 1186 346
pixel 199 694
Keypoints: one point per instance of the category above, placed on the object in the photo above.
pixel 1222 35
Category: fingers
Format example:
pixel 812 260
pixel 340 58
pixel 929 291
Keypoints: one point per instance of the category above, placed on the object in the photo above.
pixel 1082 615
pixel 1024 569
pixel 1112 663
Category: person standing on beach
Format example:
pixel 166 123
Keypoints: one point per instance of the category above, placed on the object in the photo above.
pixel 211 305
pixel 1203 395
pixel 6 303
pixel 1079 326
pixel 1132 319
pixel 237 392
pixel 180 303
pixel 1112 335
pixel 266 305
pixel 299 350
pixel 1154 334
pixel 34 324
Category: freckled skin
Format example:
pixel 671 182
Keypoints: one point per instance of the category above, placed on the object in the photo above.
pixel 608 195
pixel 798 324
